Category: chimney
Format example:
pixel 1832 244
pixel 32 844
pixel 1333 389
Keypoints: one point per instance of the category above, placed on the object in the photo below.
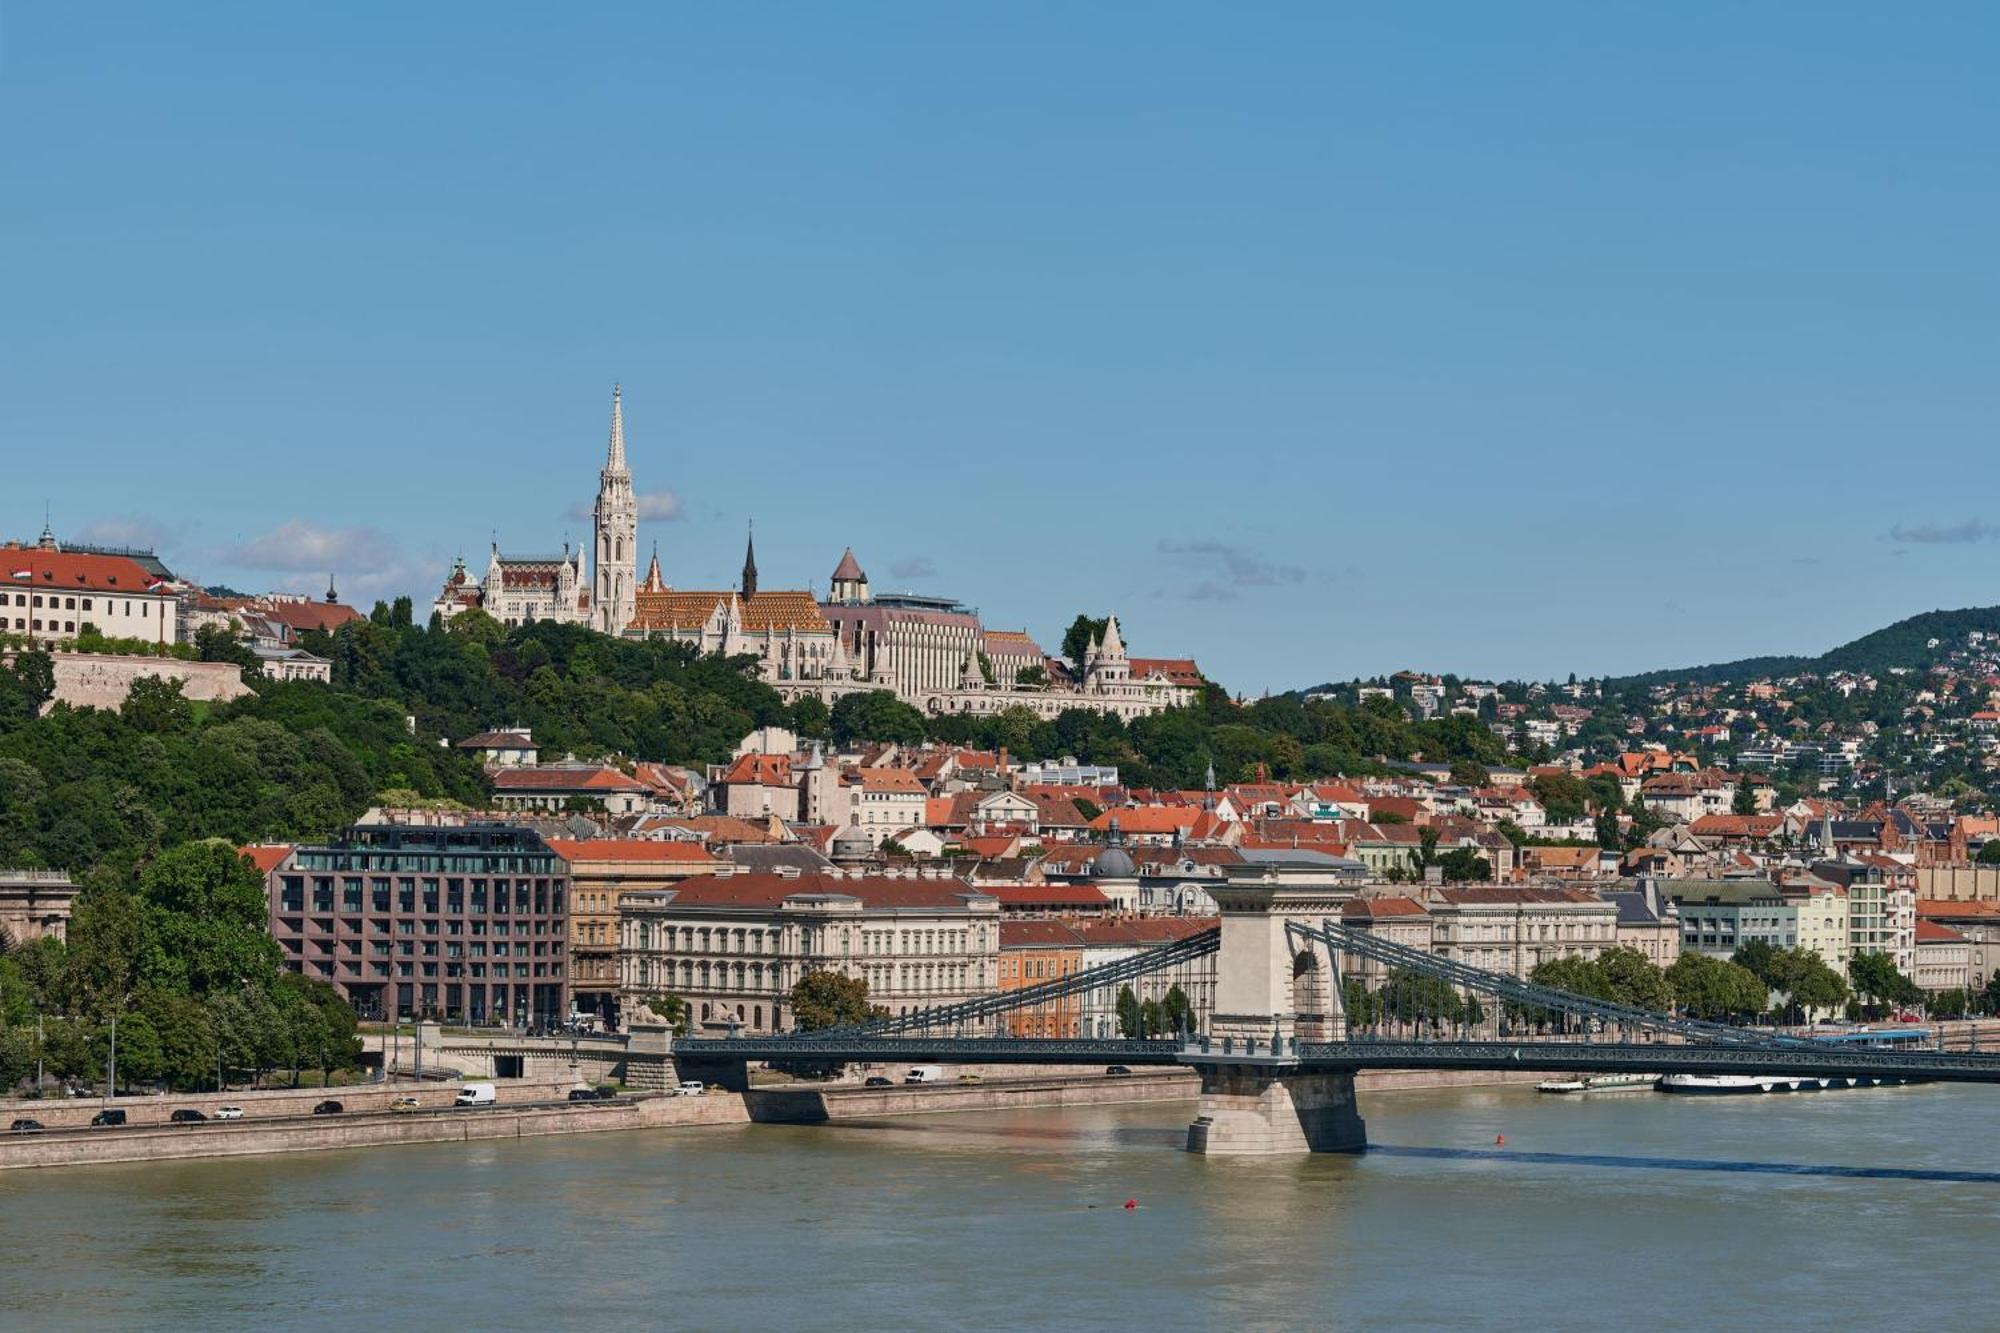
pixel 1003 763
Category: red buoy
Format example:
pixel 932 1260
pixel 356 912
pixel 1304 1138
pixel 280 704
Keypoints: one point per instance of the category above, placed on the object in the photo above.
pixel 1130 1204
pixel 1500 1140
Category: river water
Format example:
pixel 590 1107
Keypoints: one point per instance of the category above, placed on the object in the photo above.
pixel 1636 1209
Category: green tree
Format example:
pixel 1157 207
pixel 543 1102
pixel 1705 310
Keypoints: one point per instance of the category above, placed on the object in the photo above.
pixel 1469 773
pixel 672 1007
pixel 1176 1011
pixel 155 704
pixel 1359 1004
pixel 1874 975
pixel 1031 677
pixel 206 927
pixel 809 716
pixel 1744 802
pixel 1563 795
pixel 1462 865
pixel 1077 638
pixel 1577 975
pixel 1711 989
pixel 1759 957
pixel 1130 1012
pixel 1633 979
pixel 1409 996
pixel 1609 837
pixel 1989 853
pixel 877 715
pixel 824 999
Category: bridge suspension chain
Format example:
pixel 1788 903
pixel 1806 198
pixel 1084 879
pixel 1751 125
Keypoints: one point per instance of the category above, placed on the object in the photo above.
pixel 1526 994
pixel 971 1014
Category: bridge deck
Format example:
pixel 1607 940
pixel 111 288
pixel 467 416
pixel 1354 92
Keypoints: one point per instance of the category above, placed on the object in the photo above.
pixel 1545 1056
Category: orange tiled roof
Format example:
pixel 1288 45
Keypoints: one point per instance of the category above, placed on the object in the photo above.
pixel 777 611
pixel 890 780
pixel 266 856
pixel 564 779
pixel 72 571
pixel 760 770
pixel 630 849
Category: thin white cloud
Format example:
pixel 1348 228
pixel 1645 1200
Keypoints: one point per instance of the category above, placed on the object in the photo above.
pixel 1226 570
pixel 299 545
pixel 913 567
pixel 1941 534
pixel 653 507
pixel 127 531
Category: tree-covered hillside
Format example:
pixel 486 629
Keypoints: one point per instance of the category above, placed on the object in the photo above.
pixel 1903 644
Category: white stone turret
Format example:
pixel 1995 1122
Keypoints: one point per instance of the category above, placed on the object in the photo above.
pixel 613 599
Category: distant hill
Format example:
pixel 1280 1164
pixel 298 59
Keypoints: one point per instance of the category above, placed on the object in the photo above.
pixel 1903 644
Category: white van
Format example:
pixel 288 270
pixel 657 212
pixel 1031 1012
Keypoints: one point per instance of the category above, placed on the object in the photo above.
pixel 925 1074
pixel 692 1087
pixel 476 1094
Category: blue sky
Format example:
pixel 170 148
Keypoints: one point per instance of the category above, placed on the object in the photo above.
pixel 1315 340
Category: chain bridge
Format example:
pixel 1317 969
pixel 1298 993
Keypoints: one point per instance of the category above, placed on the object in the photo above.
pixel 1278 1053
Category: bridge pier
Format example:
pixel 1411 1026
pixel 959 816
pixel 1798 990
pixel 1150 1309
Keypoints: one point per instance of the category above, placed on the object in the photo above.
pixel 1251 1111
pixel 1271 995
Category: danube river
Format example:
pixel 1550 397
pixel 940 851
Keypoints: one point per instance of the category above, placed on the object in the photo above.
pixel 1636 1210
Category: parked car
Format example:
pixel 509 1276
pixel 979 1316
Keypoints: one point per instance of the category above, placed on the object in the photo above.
pixel 406 1104
pixel 584 1095
pixel 186 1115
pixel 876 1081
pixel 108 1119
pixel 690 1088
pixel 1118 1071
pixel 605 1092
pixel 228 1113
pixel 968 1078
pixel 26 1126
pixel 328 1107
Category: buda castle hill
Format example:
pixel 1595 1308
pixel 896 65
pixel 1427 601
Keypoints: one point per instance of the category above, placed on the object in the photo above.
pixel 931 652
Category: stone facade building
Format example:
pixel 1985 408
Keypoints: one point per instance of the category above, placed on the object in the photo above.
pixel 601 872
pixel 34 904
pixel 48 593
pixel 1516 929
pixel 734 945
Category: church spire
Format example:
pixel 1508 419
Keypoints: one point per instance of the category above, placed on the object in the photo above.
pixel 654 583
pixel 614 454
pixel 750 564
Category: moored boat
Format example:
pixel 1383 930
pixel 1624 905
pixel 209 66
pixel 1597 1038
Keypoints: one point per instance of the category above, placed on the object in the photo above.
pixel 1600 1083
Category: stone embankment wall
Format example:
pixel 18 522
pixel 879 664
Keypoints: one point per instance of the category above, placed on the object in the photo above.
pixel 268 1104
pixel 242 1138
pixel 102 680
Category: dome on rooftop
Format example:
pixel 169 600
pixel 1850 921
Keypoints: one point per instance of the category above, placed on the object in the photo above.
pixel 1114 862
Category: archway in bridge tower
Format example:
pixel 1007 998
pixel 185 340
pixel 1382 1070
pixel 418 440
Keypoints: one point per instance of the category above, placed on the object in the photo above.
pixel 1312 999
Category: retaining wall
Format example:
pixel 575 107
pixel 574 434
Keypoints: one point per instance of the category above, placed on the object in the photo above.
pixel 320 1133
pixel 268 1103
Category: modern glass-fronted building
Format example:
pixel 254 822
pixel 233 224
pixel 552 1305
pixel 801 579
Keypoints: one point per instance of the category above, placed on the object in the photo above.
pixel 466 924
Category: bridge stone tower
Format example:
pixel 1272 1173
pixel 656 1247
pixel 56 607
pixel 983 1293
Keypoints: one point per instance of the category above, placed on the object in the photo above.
pixel 1270 995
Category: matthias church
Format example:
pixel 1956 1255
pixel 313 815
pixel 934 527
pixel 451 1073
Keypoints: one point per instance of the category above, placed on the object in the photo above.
pixel 932 652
